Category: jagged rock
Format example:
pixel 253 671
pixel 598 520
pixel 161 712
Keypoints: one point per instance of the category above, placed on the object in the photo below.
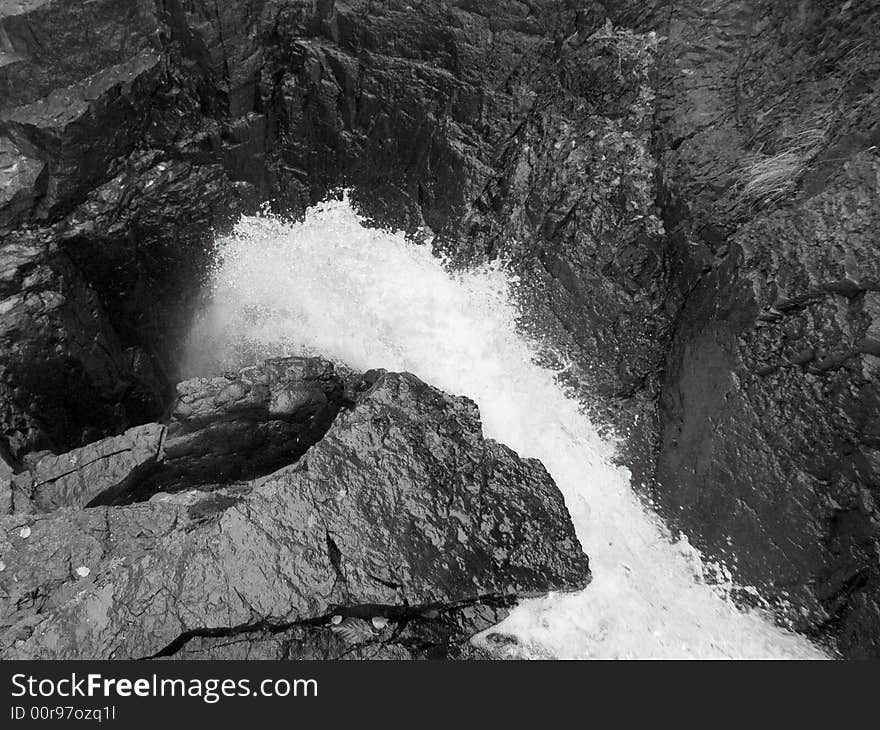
pixel 96 472
pixel 19 180
pixel 400 510
pixel 93 116
pixel 80 129
pixel 50 45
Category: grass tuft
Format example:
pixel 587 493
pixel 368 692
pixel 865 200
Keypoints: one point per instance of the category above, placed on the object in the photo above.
pixel 768 178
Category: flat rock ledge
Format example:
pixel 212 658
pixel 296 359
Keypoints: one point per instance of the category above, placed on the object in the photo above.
pixel 391 529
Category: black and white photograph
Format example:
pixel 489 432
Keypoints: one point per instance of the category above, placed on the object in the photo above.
pixel 467 330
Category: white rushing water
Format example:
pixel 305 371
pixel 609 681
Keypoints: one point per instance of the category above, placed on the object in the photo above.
pixel 368 298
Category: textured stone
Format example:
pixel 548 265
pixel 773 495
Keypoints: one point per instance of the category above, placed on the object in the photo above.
pixel 92 473
pixel 65 376
pixel 769 402
pixel 402 509
pixel 222 429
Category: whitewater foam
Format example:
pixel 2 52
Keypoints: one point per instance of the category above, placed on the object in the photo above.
pixel 330 286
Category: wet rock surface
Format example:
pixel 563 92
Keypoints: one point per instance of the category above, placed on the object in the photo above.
pixel 688 193
pixel 770 397
pixel 402 531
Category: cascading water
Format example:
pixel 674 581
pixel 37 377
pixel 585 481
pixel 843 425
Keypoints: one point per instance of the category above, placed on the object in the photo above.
pixel 368 298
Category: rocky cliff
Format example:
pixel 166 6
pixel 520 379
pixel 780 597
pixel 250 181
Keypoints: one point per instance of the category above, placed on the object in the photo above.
pixel 688 191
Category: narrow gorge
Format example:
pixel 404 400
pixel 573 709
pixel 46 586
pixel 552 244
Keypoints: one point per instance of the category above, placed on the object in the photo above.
pixel 439 329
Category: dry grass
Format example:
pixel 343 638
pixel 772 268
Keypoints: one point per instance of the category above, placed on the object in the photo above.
pixel 767 178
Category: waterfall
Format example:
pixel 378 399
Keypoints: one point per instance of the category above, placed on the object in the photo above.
pixel 331 286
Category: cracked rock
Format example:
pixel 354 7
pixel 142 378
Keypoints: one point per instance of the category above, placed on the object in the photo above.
pixel 402 510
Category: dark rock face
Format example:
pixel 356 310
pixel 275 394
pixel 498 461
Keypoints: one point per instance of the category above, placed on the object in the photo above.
pixel 114 216
pixel 401 531
pixel 692 215
pixel 66 377
pixel 770 400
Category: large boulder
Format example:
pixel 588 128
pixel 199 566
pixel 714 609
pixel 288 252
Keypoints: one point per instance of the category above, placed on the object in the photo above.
pixel 402 513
